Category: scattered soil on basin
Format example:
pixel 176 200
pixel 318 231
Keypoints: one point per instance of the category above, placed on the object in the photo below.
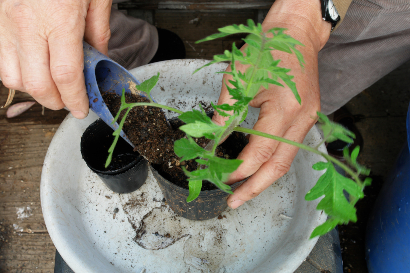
pixel 153 137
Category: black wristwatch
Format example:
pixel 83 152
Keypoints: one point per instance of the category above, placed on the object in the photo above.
pixel 329 12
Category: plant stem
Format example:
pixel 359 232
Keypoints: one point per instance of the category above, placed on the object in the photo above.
pixel 304 147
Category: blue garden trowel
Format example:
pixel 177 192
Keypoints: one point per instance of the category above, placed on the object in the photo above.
pixel 103 74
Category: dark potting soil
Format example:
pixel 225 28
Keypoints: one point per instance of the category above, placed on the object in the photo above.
pixel 153 137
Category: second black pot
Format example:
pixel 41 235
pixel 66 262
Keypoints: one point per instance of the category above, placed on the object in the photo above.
pixel 208 205
pixel 128 170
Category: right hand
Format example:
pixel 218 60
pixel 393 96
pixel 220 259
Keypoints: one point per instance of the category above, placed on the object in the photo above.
pixel 266 160
pixel 41 49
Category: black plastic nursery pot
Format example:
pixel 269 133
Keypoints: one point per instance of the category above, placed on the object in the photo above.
pixel 128 169
pixel 208 205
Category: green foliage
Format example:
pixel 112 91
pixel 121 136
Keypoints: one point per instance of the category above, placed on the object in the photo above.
pixel 334 203
pixel 217 170
pixel 262 71
pixel 188 149
pixel 194 190
pixel 352 160
pixel 198 124
pixel 334 131
pixel 147 85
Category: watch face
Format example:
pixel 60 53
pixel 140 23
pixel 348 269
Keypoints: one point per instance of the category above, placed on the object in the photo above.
pixel 332 11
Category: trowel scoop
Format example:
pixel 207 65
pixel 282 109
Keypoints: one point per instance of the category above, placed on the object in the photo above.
pixel 103 74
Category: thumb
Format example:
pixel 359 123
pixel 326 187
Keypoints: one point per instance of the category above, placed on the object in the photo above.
pixel 97 25
pixel 224 97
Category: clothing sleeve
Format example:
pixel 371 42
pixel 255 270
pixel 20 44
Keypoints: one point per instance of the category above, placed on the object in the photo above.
pixel 341 7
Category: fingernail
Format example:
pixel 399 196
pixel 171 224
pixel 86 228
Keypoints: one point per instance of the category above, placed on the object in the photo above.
pixel 78 114
pixel 235 204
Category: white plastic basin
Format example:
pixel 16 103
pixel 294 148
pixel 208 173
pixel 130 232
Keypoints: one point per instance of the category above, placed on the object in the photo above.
pixel 268 234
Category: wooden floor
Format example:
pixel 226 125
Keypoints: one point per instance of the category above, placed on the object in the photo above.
pixel 24 242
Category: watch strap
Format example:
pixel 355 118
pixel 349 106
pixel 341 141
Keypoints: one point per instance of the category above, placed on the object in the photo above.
pixel 329 12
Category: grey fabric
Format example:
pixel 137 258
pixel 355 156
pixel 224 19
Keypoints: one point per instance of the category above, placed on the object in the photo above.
pixel 133 41
pixel 373 40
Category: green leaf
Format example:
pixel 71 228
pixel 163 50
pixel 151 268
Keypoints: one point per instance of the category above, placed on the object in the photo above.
pixel 195 115
pixel 220 112
pixel 367 181
pixel 225 107
pixel 200 129
pixel 234 29
pixel 146 86
pixel 187 149
pixel 352 160
pixel 325 228
pixel 332 185
pixel 213 37
pixel 333 131
pixel 194 190
pixel 279 46
pixel 252 43
pixel 319 166
pixel 217 172
pixel 354 154
pixel 217 59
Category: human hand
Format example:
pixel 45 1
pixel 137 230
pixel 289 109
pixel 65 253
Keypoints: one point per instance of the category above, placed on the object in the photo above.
pixel 41 49
pixel 266 160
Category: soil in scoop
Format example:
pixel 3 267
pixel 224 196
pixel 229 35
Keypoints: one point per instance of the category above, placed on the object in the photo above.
pixel 147 128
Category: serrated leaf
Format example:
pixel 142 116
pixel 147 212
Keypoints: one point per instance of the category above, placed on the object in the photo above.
pixel 195 115
pixel 225 107
pixel 223 167
pixel 147 85
pixel 187 149
pixel 194 190
pixel 234 29
pixel 319 166
pixel 332 185
pixel 333 131
pixel 217 59
pixel 367 181
pixel 279 46
pixel 200 129
pixel 324 228
pixel 220 112
pixel 351 159
pixel 217 172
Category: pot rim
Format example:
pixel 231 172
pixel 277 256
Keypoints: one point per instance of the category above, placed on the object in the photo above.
pixel 203 193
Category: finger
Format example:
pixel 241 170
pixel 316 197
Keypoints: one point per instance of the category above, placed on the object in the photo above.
pixel 10 66
pixel 260 149
pixel 66 64
pixel 277 166
pixel 97 29
pixel 35 70
pixel 224 97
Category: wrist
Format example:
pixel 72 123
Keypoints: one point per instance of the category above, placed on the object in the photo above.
pixel 303 19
